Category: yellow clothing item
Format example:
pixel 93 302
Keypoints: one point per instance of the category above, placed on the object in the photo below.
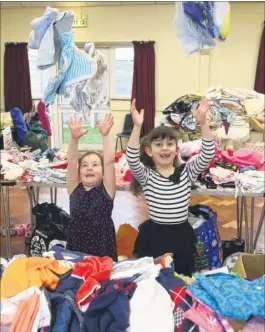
pixel 25 272
pixel 226 25
pixel 255 124
pixel 126 237
pixel 187 280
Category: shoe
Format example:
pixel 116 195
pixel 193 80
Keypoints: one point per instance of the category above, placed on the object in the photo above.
pixel 21 229
pixel 28 227
pixel 13 231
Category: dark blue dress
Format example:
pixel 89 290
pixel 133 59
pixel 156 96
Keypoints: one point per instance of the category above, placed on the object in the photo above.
pixel 91 229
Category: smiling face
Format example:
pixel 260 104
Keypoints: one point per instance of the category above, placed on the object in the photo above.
pixel 91 170
pixel 163 152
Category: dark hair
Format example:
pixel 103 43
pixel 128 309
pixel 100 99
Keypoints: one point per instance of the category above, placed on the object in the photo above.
pixel 88 154
pixel 158 133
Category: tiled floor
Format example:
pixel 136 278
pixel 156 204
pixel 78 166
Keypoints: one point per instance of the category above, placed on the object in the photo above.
pixel 127 209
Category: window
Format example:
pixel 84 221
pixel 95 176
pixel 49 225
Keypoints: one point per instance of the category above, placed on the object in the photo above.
pixel 124 58
pixel 38 78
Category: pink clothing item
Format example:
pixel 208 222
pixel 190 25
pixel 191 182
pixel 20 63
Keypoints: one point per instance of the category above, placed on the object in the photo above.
pixel 262 167
pixel 217 157
pixel 255 324
pixel 203 316
pixel 26 319
pixel 243 157
pixel 43 117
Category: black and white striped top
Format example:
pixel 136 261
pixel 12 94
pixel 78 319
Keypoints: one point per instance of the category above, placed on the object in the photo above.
pixel 167 201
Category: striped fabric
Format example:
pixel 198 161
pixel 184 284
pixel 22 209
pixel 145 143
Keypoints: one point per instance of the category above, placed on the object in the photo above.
pixel 82 68
pixel 75 66
pixel 167 201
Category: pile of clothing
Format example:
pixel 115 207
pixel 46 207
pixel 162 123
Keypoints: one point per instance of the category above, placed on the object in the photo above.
pixel 49 166
pixel 242 170
pixel 40 112
pixel 32 128
pixel 72 291
pixel 198 23
pixel 237 109
pixel 82 74
pixel 232 114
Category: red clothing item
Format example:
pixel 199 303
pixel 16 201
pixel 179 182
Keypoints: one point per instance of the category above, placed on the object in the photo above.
pixel 128 176
pixel 93 270
pixel 118 155
pixel 43 117
pixel 59 164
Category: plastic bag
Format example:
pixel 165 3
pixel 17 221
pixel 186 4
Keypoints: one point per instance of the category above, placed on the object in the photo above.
pixel 51 224
pixel 209 244
pixel 36 138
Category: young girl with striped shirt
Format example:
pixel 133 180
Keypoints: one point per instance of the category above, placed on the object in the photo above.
pixel 166 186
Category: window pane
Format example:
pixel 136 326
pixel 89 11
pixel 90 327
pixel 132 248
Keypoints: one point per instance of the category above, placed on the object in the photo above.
pixel 38 78
pixel 93 136
pixel 124 57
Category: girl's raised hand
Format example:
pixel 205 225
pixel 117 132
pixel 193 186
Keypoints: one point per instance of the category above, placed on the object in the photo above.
pixel 105 126
pixel 201 111
pixel 75 124
pixel 138 118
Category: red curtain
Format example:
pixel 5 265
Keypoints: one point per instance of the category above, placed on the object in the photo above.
pixel 143 88
pixel 260 72
pixel 17 89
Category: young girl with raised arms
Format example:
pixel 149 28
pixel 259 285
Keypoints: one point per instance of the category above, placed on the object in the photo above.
pixel 166 186
pixel 91 186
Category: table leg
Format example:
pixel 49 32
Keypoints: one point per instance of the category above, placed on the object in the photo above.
pixel 55 195
pixel 240 217
pixel 8 223
pixel 261 222
pixel 29 189
pixel 4 218
pixel 251 241
pixel 38 194
pixel 3 214
pixel 34 196
pixel 51 194
pixel 246 223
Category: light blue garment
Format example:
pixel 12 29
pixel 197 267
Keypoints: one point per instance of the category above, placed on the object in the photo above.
pixel 229 295
pixel 40 26
pixel 45 35
pixel 49 50
pixel 83 68
pixel 222 114
pixel 65 61
pixel 192 37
